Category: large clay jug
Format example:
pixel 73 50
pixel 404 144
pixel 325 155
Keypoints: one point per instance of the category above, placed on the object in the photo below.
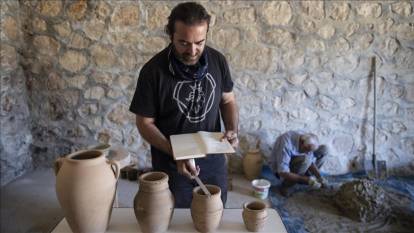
pixel 85 187
pixel 206 211
pixel 154 203
pixel 252 164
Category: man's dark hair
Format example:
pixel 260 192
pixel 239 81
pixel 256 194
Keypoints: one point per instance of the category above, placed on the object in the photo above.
pixel 190 13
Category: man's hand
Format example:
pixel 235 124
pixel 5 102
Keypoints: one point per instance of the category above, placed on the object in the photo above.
pixel 313 183
pixel 324 182
pixel 231 136
pixel 185 168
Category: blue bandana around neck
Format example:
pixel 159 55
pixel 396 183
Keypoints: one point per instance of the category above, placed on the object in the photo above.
pixel 191 72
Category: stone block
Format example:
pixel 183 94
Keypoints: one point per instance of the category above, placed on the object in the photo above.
pixel 314 9
pixel 50 8
pixel 9 58
pixel 11 28
pixel 95 93
pixel 402 8
pixel 103 56
pixel 63 29
pixel 120 115
pixel 46 45
pixel 73 61
pixel 125 16
pixel 339 11
pixel 77 10
pixel 369 10
pixel 277 13
pixel 240 16
pixel 158 16
pixel 94 28
pixel 226 38
pixel 39 25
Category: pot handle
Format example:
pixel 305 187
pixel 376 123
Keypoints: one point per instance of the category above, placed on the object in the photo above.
pixel 116 167
pixel 58 163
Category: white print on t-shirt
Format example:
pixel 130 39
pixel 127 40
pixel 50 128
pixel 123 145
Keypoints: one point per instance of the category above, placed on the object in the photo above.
pixel 194 101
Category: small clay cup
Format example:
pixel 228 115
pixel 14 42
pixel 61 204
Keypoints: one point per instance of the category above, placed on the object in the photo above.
pixel 254 215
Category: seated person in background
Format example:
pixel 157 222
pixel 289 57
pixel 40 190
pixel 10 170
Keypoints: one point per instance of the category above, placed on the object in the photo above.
pixel 294 155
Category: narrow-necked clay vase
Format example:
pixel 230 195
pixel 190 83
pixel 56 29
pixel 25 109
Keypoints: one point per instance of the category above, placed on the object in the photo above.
pixel 252 164
pixel 206 211
pixel 254 215
pixel 85 187
pixel 154 203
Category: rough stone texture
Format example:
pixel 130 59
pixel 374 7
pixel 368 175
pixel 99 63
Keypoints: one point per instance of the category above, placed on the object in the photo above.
pixel 277 13
pixel 46 45
pixel 103 56
pixel 314 9
pixel 125 16
pixel 370 10
pixel 77 10
pixel 240 16
pixel 39 25
pixel 15 123
pixel 362 200
pixel 63 29
pixel 73 61
pixel 339 11
pixel 69 70
pixel 50 8
pixel 403 8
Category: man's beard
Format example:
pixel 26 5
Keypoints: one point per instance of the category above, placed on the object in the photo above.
pixel 186 58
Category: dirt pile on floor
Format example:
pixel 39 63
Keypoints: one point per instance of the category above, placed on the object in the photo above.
pixel 362 200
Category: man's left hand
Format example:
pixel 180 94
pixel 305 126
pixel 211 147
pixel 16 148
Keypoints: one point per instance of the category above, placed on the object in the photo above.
pixel 324 182
pixel 231 136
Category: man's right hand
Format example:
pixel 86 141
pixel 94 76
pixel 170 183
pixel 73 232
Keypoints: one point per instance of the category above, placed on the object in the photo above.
pixel 313 183
pixel 185 168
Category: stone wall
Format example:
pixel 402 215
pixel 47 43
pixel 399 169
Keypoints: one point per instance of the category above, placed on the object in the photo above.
pixel 15 134
pixel 296 65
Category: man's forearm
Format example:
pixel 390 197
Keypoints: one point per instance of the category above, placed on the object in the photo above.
pixel 292 177
pixel 230 116
pixel 315 171
pixel 150 132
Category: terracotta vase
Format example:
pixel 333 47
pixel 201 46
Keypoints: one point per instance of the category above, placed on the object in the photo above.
pixel 206 211
pixel 154 203
pixel 85 187
pixel 252 164
pixel 254 215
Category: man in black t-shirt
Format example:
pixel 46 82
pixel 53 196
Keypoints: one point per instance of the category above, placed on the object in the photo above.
pixel 186 88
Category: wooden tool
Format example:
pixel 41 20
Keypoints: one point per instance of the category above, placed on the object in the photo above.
pixel 202 186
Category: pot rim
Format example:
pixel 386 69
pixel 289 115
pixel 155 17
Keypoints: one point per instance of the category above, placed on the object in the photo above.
pixel 262 204
pixel 99 157
pixel 213 189
pixel 164 177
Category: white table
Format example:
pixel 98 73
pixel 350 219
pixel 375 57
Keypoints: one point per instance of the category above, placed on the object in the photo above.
pixel 123 220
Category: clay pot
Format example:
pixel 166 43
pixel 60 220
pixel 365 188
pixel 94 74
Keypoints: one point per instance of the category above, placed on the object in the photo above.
pixel 104 148
pixel 206 211
pixel 154 202
pixel 254 215
pixel 85 187
pixel 252 164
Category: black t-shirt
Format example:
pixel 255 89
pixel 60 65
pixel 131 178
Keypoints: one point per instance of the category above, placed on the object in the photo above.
pixel 181 105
